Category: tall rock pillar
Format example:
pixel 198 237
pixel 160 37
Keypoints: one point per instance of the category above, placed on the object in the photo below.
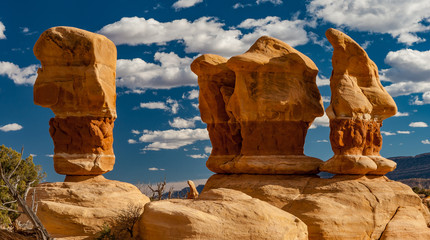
pixel 77 81
pixel 359 104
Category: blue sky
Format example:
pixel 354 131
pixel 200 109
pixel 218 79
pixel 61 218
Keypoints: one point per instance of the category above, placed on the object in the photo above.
pixel 158 132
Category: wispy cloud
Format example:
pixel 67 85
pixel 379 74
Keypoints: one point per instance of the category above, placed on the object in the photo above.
pixel 400 114
pixel 155 169
pixel 198 156
pixel 418 124
pixel 404 132
pixel 170 105
pixel 11 127
pixel 387 133
pixel 185 4
pixel 274 2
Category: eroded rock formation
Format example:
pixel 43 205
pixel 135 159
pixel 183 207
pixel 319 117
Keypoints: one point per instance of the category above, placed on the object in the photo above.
pixel 216 84
pixel 275 100
pixel 359 104
pixel 77 81
pixel 79 207
pixel 218 214
pixel 343 207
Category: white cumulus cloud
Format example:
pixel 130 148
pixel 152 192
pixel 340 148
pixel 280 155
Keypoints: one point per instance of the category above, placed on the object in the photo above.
pixel 401 19
pixel 10 127
pixel 193 94
pixel 2 30
pixel 208 149
pixel 323 121
pixel 206 34
pixel 172 71
pixel 172 139
pixel 185 3
pixel 26 75
pixel 184 123
pixel 290 31
pixel 418 124
pixel 426 141
pixel 409 72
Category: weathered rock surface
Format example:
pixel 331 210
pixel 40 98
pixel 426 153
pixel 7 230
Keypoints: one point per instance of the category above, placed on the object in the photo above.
pixel 343 207
pixel 77 81
pixel 77 77
pixel 218 214
pixel 78 207
pixel 216 85
pixel 358 105
pixel 82 145
pixel 275 100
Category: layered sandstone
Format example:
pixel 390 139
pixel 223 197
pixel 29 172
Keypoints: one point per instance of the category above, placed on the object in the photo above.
pixel 216 85
pixel 343 207
pixel 77 81
pixel 359 104
pixel 218 214
pixel 275 100
pixel 79 207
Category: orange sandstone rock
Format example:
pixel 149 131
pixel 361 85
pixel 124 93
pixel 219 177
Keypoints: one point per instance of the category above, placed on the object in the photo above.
pixel 358 105
pixel 216 83
pixel 218 214
pixel 77 77
pixel 275 100
pixel 77 81
pixel 343 207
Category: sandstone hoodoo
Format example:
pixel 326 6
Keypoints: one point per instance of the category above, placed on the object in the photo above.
pixel 359 104
pixel 77 81
pixel 272 103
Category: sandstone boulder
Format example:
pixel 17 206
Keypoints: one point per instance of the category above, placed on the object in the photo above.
pixel 218 214
pixel 77 81
pixel 79 207
pixel 358 105
pixel 343 207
